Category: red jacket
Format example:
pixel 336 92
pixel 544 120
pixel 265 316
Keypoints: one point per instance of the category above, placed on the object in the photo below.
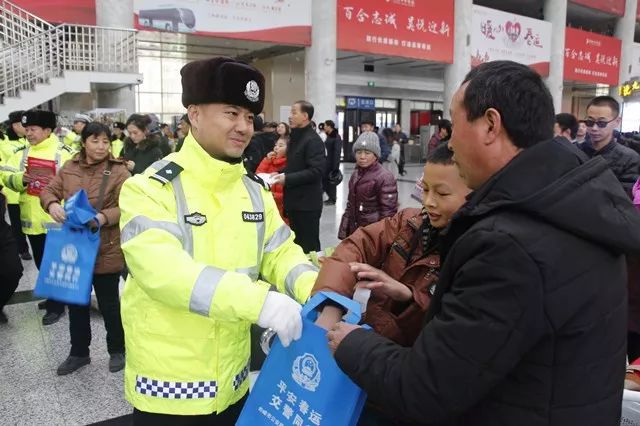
pixel 275 165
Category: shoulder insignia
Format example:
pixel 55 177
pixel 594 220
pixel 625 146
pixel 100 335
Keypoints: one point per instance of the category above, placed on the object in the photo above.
pixel 257 179
pixel 20 148
pixel 167 173
pixel 66 148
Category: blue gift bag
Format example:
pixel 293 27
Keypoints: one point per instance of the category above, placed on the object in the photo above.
pixel 302 384
pixel 66 271
pixel 78 210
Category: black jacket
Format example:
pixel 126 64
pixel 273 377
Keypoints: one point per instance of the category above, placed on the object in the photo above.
pixel 303 174
pixel 528 322
pixel 333 146
pixel 260 145
pixel 10 265
pixel 624 162
pixel 142 157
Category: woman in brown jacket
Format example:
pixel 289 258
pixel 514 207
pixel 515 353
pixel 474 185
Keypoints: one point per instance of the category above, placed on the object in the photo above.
pixel 91 169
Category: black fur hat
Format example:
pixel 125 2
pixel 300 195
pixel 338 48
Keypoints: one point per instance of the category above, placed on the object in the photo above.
pixel 44 119
pixel 15 116
pixel 222 80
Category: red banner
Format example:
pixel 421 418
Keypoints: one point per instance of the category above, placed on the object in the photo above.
pixel 591 57
pixel 615 7
pixel 421 29
pixel 62 11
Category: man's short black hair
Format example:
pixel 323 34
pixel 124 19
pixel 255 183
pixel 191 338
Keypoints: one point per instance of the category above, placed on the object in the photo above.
pixel 441 155
pixel 606 101
pixel 520 96
pixel 306 107
pixel 566 122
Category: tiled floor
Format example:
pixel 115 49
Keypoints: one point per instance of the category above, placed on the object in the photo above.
pixel 30 391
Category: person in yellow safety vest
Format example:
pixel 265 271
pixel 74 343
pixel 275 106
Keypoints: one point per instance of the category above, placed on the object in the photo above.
pixel 72 139
pixel 203 241
pixel 117 139
pixel 26 172
pixel 13 143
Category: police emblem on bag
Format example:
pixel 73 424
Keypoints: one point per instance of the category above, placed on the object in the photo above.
pixel 306 372
pixel 252 92
pixel 69 253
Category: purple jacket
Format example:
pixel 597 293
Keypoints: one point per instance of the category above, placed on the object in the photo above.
pixel 373 195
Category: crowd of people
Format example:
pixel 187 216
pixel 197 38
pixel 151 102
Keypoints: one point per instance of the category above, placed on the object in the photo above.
pixel 510 297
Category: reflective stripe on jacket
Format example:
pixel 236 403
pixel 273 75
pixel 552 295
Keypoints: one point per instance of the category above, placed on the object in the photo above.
pixel 202 241
pixel 34 219
pixel 7 149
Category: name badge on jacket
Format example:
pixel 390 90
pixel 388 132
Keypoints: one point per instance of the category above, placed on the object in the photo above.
pixel 253 216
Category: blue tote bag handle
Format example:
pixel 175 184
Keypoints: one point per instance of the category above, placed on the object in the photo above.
pixel 353 308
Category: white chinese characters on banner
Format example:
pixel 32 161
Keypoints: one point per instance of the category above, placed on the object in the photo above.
pixel 498 35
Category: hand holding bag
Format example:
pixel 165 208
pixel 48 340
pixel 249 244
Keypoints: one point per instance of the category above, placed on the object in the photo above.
pixel 302 384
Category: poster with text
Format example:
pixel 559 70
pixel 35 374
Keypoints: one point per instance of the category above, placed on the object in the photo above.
pixel 61 11
pixel 591 57
pixel 420 29
pixel 614 7
pixel 497 35
pixel 275 21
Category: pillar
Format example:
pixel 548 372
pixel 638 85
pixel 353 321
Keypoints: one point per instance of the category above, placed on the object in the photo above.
pixel 454 73
pixel 116 14
pixel 555 11
pixel 625 31
pixel 320 60
pixel 405 115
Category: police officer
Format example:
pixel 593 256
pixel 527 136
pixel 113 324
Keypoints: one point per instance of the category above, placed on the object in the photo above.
pixel 72 139
pixel 14 142
pixel 203 240
pixel 45 148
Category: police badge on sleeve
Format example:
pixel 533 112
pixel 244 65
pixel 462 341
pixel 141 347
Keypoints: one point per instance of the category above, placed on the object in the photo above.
pixel 306 372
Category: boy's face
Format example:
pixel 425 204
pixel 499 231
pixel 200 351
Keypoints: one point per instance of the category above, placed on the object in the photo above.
pixel 365 158
pixel 444 192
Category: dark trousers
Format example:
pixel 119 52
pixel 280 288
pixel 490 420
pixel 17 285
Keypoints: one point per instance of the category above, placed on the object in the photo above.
pixel 37 247
pixel 106 287
pixel 10 271
pixel 329 189
pixel 402 161
pixel 16 228
pixel 227 418
pixel 306 225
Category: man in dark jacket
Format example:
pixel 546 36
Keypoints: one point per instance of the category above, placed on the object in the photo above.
pixel 402 139
pixel 603 117
pixel 527 325
pixel 10 265
pixel 260 145
pixel 333 147
pixel 302 178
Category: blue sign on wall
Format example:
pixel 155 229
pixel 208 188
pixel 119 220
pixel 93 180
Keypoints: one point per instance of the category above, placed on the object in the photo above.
pixel 361 103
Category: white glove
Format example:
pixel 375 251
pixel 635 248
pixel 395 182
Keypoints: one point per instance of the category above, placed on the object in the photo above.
pixel 282 314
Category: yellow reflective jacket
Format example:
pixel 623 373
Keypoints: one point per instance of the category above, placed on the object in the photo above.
pixel 7 149
pixel 34 219
pixel 202 241
pixel 116 147
pixel 72 140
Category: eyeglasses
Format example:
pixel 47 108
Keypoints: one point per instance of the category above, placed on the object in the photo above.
pixel 600 123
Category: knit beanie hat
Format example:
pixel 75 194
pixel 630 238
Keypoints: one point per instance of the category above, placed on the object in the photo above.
pixel 367 141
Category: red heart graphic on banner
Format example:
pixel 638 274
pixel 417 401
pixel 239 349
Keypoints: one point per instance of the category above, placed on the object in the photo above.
pixel 513 30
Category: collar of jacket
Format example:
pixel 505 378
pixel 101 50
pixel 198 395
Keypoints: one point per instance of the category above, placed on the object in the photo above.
pixel 208 171
pixel 372 168
pixel 50 143
pixel 299 131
